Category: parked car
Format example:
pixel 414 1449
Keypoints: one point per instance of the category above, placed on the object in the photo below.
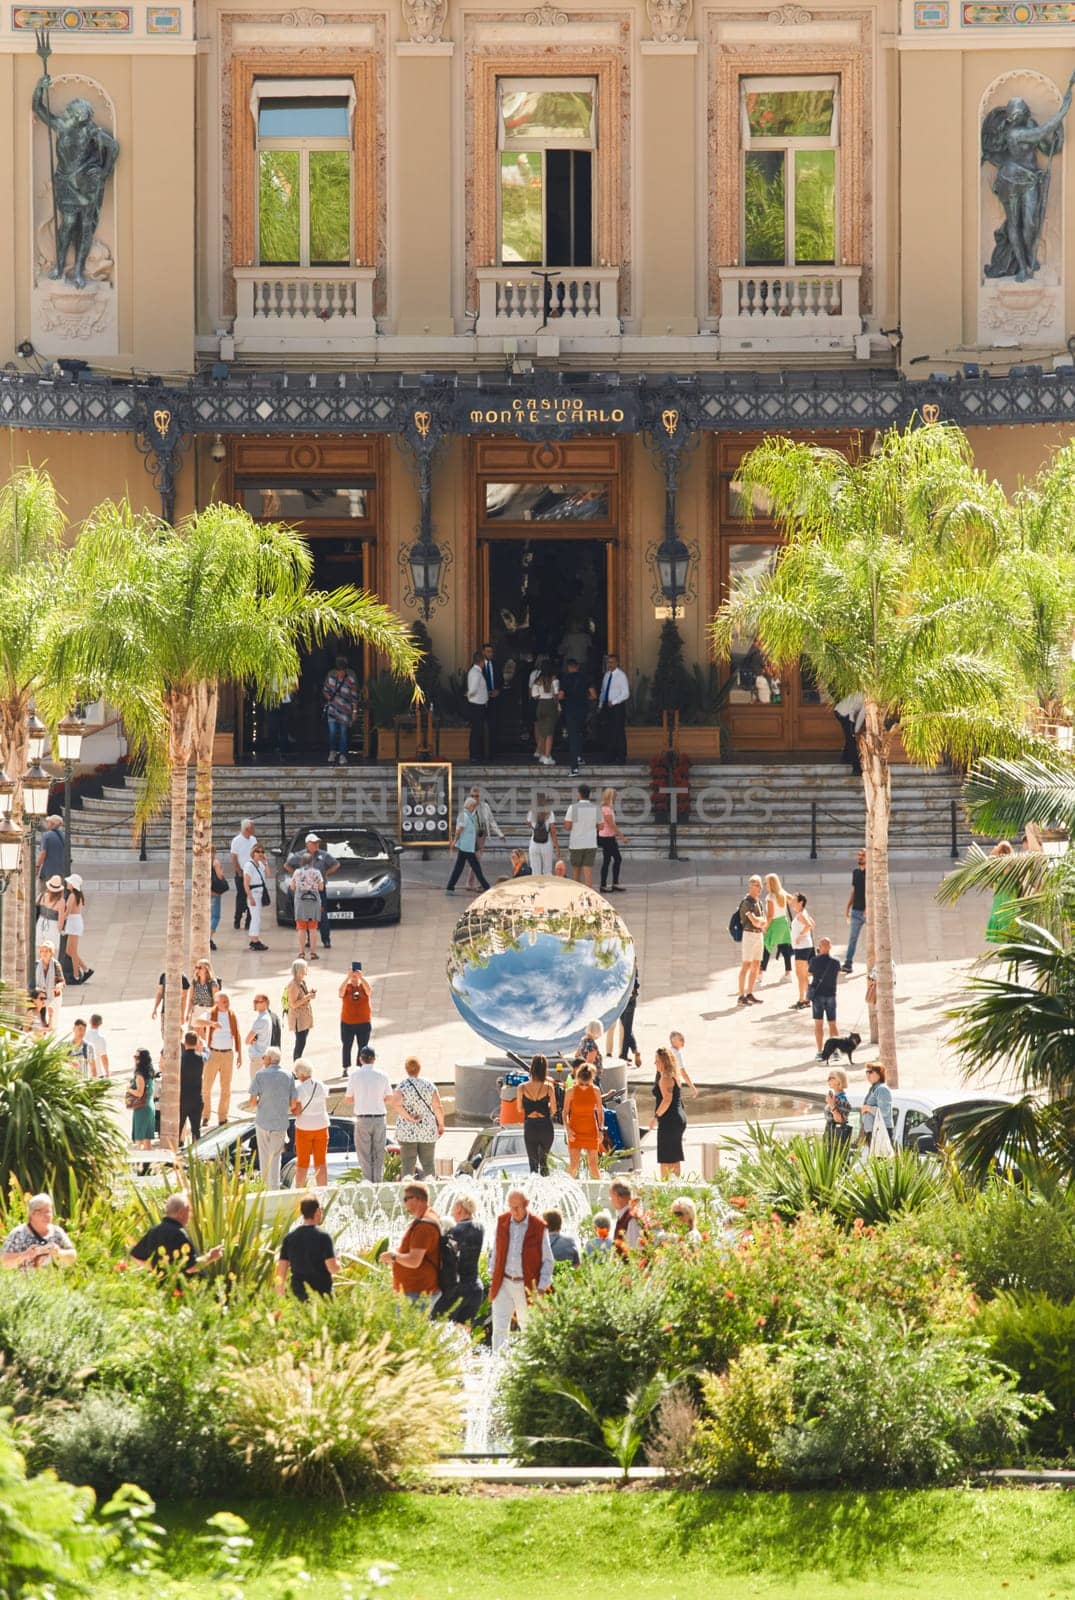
pixel 919 1117
pixel 237 1141
pixel 503 1150
pixel 367 887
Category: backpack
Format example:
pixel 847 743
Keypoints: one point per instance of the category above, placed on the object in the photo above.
pixel 541 827
pixel 448 1270
pixel 735 926
pixel 274 1033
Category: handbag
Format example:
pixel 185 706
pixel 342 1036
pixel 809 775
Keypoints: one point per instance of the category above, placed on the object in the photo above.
pixel 880 1141
pixel 135 1101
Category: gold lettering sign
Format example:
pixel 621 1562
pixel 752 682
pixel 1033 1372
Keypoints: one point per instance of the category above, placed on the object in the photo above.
pixel 670 421
pixel 162 421
pixel 930 415
pixel 548 414
pixel 422 420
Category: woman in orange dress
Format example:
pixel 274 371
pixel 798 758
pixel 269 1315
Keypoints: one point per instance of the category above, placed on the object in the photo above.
pixel 584 1120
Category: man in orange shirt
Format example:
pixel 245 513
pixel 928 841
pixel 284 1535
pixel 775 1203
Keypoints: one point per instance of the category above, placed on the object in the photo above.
pixel 416 1264
pixel 356 1019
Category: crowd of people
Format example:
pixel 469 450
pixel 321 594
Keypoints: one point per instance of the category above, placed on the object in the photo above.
pixel 585 830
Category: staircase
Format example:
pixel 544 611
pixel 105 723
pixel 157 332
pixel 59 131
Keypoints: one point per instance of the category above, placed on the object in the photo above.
pixel 736 810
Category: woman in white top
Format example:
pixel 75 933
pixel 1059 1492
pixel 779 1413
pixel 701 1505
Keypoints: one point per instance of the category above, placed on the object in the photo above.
pixel 256 883
pixel 48 975
pixel 802 946
pixel 541 820
pixel 74 925
pixel 309 1107
pixel 545 693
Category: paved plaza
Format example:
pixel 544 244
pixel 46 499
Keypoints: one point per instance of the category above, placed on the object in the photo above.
pixel 678 915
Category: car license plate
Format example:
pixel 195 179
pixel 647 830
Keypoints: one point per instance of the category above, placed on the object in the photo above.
pixel 339 916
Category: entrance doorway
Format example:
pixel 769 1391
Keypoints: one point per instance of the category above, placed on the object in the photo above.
pixel 548 599
pixel 326 489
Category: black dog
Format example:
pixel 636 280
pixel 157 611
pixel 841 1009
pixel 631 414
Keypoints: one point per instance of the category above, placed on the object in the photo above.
pixel 842 1047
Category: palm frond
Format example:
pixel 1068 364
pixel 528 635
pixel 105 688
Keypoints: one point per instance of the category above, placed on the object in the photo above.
pixel 1003 795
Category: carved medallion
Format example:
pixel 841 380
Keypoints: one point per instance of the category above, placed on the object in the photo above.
pixel 546 16
pixel 425 20
pixel 791 16
pixel 669 19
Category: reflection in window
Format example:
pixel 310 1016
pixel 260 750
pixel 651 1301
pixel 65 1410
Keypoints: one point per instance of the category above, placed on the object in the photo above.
pixel 306 502
pixel 754 682
pixel 546 138
pixel 743 503
pixel 811 692
pixel 790 134
pixel 547 502
pixel 303 176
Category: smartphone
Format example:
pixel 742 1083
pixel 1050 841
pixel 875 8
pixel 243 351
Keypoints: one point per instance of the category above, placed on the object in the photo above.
pixel 356 966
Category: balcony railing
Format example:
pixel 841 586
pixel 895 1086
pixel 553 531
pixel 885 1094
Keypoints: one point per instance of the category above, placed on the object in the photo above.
pixel 302 308
pixel 772 305
pixel 579 301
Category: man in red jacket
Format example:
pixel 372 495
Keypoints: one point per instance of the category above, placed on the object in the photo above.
pixel 522 1264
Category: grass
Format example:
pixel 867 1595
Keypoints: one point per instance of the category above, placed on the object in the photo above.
pixel 649 1545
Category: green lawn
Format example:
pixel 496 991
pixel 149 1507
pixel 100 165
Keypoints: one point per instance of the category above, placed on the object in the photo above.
pixel 648 1545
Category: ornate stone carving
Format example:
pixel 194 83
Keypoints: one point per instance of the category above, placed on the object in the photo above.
pixel 792 16
pixel 302 17
pixel 425 20
pixel 546 16
pixel 669 19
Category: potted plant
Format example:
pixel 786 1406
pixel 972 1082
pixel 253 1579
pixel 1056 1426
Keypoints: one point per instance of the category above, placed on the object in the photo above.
pixel 700 734
pixel 388 699
pixel 645 736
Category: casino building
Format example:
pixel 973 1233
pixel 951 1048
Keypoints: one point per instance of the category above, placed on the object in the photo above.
pixel 490 297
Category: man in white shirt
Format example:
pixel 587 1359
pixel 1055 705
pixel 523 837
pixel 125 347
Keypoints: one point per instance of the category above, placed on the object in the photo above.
pixel 612 701
pixel 98 1044
pixel 521 1265
pixel 482 690
pixel 242 848
pixel 850 713
pixel 367 1087
pixel 259 1038
pixel 580 820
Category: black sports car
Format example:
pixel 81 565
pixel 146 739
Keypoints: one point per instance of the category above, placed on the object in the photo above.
pixel 367 886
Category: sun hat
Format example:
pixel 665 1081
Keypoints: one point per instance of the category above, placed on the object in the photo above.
pixel 74 880
pixel 55 882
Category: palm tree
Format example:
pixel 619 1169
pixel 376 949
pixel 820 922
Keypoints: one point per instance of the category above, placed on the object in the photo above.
pixel 1019 1018
pixel 32 526
pixel 174 613
pixel 890 585
pixel 1042 567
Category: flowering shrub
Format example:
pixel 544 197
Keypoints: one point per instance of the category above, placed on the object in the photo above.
pixel 680 779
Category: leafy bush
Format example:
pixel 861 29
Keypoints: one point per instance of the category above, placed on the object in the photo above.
pixel 55 1128
pixel 48 1540
pixel 109 1439
pixel 341 1417
pixel 1007 1238
pixel 747 1414
pixel 1035 1337
pixel 602 1330
pixel 883 1408
pixel 793 1177
pixel 56 1338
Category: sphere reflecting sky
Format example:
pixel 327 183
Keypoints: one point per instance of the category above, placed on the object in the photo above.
pixel 532 961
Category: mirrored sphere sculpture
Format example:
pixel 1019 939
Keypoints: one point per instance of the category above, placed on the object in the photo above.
pixel 534 960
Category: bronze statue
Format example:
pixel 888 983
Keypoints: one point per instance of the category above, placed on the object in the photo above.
pixel 81 161
pixel 1011 141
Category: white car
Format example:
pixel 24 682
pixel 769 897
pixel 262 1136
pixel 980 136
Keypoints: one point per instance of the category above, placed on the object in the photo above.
pixel 919 1116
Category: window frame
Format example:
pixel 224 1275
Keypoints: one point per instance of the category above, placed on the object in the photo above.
pixel 789 145
pixel 510 144
pixel 268 89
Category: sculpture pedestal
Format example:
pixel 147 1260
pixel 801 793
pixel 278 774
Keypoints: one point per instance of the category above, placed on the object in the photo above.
pixel 65 321
pixel 1011 313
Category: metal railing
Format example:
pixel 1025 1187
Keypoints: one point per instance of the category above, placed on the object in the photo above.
pixel 815 810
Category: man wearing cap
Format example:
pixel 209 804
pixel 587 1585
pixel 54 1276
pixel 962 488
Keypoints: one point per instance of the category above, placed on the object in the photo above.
pixel 315 856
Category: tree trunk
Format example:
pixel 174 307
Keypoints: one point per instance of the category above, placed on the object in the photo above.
pixel 179 710
pixel 877 784
pixel 14 748
pixel 205 709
